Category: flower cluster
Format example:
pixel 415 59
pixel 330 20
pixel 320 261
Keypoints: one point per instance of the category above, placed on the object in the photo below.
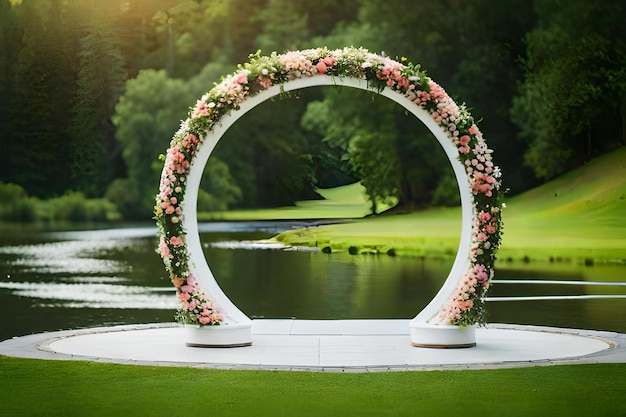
pixel 297 65
pixel 194 306
pixel 391 74
pixel 466 304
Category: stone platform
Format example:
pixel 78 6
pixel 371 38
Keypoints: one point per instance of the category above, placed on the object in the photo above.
pixel 325 345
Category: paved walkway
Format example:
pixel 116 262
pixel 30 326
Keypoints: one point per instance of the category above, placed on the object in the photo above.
pixel 325 345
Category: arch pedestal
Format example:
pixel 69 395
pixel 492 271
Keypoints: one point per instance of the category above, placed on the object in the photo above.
pixel 224 335
pixel 424 334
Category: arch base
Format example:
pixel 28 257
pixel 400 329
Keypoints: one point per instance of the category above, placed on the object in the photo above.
pixel 442 336
pixel 224 335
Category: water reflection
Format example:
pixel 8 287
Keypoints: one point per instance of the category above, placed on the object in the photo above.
pixel 72 257
pixel 93 295
pixel 324 286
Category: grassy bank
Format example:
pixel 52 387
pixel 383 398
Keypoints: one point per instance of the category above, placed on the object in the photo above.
pixel 59 388
pixel 578 217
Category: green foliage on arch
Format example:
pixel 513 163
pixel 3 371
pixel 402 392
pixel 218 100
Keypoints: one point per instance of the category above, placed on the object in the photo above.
pixel 466 303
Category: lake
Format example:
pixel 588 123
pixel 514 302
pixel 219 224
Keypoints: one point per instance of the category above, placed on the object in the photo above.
pixel 55 278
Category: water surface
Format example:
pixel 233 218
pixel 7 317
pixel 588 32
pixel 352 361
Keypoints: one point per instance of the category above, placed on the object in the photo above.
pixel 53 279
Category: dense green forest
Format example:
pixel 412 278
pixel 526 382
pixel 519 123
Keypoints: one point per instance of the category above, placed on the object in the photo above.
pixel 91 92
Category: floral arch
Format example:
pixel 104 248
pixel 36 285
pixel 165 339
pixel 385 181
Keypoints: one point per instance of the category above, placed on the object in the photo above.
pixel 458 306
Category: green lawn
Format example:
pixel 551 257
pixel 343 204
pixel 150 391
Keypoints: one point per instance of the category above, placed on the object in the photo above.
pixel 65 389
pixel 346 202
pixel 576 217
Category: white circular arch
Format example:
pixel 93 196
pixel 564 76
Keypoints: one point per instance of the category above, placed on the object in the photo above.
pixel 198 264
pixel 448 320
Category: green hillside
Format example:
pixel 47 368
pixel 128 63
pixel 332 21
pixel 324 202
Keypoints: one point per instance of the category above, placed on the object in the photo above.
pixel 579 216
pixel 581 213
pixel 345 202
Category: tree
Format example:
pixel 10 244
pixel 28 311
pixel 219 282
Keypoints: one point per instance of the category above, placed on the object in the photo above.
pixel 470 48
pixel 570 107
pixel 268 153
pixel 40 96
pixel 101 77
pixel 8 46
pixel 395 157
pixel 146 116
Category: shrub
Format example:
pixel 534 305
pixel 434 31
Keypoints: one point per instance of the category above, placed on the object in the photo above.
pixel 75 207
pixel 124 201
pixel 16 204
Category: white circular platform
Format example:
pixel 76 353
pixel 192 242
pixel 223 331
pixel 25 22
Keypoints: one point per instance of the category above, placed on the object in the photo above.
pixel 354 345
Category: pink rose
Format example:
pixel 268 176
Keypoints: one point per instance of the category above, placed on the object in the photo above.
pixel 321 67
pixel 242 78
pixel 484 217
pixel 163 248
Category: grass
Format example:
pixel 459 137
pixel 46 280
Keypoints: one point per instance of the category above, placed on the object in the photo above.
pixel 31 387
pixel 348 202
pixel 578 217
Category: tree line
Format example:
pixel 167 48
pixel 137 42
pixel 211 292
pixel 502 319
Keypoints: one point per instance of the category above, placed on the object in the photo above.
pixel 91 92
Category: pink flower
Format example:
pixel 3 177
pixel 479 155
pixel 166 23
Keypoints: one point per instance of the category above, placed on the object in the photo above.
pixel 190 141
pixel 321 67
pixel 436 91
pixel 484 217
pixel 163 248
pixel 481 236
pixel 473 130
pixel 241 78
pixel 201 109
pixel 176 241
pixel 403 82
pixel 481 274
pixel 482 184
